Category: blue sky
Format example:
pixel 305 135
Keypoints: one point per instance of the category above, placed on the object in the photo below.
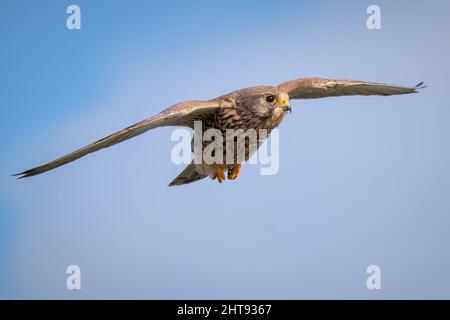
pixel 362 180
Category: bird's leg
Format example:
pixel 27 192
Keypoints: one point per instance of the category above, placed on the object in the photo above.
pixel 233 173
pixel 218 173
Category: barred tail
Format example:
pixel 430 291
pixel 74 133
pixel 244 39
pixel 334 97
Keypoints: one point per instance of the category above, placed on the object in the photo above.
pixel 188 175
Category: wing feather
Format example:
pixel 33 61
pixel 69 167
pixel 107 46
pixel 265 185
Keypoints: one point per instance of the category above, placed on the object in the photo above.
pixel 314 88
pixel 182 114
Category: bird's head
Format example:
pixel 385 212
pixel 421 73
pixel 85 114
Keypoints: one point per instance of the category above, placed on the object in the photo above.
pixel 267 103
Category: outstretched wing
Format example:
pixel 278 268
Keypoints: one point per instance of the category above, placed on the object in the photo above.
pixel 314 88
pixel 182 114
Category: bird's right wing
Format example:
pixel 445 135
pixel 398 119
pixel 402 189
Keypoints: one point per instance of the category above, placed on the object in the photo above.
pixel 182 114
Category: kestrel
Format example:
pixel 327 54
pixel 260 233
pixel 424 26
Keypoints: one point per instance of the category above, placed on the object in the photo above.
pixel 262 107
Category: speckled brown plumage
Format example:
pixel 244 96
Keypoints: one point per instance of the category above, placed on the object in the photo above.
pixel 243 109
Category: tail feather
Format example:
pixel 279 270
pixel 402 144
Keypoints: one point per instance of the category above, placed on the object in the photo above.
pixel 188 175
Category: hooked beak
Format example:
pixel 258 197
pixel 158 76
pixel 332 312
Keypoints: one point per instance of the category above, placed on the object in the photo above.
pixel 285 106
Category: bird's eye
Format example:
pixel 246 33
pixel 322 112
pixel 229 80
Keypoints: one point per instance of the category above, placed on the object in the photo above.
pixel 270 99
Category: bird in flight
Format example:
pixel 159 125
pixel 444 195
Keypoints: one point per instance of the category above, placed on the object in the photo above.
pixel 262 107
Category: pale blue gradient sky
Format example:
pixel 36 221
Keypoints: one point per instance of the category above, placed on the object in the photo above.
pixel 362 180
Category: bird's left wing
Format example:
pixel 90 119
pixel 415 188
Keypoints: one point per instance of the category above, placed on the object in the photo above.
pixel 314 88
pixel 182 114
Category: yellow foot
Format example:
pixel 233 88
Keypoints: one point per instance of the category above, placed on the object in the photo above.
pixel 219 174
pixel 233 173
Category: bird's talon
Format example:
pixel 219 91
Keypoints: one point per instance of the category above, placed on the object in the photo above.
pixel 233 173
pixel 219 174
